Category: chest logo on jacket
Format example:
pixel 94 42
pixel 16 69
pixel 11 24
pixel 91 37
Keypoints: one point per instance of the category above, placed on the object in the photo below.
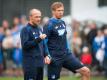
pixel 60 29
pixel 35 35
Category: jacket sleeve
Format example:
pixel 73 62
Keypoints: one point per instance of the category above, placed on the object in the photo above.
pixel 46 50
pixel 47 30
pixel 25 40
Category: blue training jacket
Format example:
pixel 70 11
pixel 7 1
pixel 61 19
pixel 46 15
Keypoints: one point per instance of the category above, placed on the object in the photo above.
pixel 32 47
pixel 56 32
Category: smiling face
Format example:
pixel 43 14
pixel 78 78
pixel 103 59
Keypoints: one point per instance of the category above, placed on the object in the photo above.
pixel 35 17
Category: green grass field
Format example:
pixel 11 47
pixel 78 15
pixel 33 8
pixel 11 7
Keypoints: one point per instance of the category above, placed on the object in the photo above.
pixel 62 78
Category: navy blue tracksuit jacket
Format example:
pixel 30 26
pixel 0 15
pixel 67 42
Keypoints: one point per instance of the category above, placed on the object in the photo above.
pixel 56 32
pixel 32 47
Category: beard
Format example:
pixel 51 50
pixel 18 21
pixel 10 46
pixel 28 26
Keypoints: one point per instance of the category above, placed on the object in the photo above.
pixel 35 24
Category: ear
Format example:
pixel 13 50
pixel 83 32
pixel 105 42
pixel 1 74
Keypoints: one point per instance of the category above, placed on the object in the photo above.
pixel 53 12
pixel 30 17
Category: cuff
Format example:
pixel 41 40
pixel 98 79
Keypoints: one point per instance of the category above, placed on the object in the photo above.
pixel 37 40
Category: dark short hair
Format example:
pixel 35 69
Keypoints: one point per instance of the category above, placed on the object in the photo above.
pixel 56 5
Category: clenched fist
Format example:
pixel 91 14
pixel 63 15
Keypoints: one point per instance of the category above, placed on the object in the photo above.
pixel 47 60
pixel 42 36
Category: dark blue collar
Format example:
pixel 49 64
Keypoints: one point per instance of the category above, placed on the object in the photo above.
pixel 55 19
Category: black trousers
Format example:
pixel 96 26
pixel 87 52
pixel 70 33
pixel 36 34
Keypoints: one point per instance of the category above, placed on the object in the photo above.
pixel 34 74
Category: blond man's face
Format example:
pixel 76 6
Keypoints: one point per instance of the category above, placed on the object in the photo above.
pixel 58 13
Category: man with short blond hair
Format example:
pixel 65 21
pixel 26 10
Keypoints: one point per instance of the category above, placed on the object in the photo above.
pixel 58 49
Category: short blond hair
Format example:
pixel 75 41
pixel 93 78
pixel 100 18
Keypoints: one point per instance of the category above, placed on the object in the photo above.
pixel 56 5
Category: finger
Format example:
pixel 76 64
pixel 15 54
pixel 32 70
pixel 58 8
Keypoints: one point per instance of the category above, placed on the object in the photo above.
pixel 48 61
pixel 45 61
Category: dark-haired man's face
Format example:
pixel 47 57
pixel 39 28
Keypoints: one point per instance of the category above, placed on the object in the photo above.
pixel 58 13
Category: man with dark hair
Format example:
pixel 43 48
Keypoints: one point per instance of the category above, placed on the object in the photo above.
pixel 58 49
pixel 32 47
